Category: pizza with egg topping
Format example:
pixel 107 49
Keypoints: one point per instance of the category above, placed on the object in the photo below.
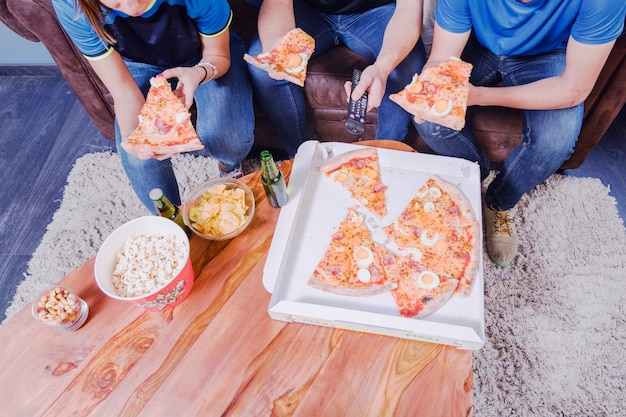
pixel 420 291
pixel 438 229
pixel 165 126
pixel 358 172
pixel 287 60
pixel 353 263
pixel 438 94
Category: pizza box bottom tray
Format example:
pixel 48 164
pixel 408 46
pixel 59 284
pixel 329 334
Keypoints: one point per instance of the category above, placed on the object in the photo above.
pixel 316 207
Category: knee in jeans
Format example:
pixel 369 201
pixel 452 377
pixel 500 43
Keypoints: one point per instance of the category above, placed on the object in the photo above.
pixel 434 131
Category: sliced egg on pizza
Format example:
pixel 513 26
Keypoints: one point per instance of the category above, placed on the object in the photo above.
pixel 342 176
pixel 423 190
pixel 413 253
pixel 441 107
pixel 363 256
pixel 429 237
pixel 364 275
pixel 296 62
pixel 427 280
pixel 434 192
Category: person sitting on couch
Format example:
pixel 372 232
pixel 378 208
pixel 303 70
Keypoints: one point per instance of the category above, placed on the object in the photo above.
pixel 129 42
pixel 541 56
pixel 386 32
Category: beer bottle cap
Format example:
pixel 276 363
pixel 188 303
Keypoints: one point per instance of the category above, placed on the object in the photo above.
pixel 156 194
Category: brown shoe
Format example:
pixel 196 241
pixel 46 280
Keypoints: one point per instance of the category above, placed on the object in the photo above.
pixel 501 236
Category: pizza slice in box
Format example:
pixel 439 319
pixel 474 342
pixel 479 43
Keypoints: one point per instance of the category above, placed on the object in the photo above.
pixel 438 230
pixel 420 291
pixel 358 172
pixel 287 60
pixel 438 94
pixel 353 263
pixel 165 126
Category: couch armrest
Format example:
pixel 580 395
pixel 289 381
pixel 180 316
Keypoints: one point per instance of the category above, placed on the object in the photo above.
pixel 39 19
pixel 14 24
pixel 603 104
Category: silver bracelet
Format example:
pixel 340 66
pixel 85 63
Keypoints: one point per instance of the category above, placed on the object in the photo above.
pixel 213 68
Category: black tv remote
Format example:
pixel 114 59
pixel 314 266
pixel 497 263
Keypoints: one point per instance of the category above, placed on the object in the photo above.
pixel 357 109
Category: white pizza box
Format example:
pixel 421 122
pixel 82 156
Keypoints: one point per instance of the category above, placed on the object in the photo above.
pixel 316 207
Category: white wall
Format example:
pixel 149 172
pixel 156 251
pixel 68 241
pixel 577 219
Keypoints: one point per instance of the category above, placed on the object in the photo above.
pixel 15 50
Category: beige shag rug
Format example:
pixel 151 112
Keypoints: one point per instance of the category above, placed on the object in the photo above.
pixel 555 318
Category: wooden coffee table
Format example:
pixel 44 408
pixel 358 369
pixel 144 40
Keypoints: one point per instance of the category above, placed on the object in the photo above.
pixel 220 354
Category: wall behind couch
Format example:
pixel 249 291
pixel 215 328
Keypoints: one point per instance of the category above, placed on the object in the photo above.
pixel 15 50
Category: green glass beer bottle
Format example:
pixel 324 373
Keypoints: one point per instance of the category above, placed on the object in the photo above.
pixel 165 208
pixel 273 181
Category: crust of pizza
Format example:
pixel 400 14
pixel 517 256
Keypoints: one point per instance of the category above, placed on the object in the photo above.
pixel 358 172
pixel 340 272
pixel 164 127
pixel 288 60
pixel 338 161
pixel 439 94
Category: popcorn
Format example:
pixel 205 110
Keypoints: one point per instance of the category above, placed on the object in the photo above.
pixel 148 262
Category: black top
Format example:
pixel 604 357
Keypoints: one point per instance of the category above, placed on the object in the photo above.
pixel 345 6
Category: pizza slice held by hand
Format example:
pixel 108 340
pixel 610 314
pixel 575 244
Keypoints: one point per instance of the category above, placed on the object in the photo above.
pixel 165 126
pixel 358 172
pixel 287 60
pixel 438 94
pixel 353 263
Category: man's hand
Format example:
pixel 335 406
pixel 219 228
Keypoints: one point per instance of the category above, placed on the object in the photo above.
pixel 373 80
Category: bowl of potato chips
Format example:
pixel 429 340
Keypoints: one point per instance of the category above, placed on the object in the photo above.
pixel 219 209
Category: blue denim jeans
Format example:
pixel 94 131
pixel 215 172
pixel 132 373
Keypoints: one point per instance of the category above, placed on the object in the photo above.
pixel 283 102
pixel 549 135
pixel 225 125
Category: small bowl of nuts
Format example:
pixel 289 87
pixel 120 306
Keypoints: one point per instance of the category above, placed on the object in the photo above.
pixel 61 309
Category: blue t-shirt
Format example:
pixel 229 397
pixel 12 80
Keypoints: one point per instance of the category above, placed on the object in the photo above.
pixel 167 34
pixel 511 27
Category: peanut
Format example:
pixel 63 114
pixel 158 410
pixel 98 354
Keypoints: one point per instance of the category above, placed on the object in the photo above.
pixel 60 306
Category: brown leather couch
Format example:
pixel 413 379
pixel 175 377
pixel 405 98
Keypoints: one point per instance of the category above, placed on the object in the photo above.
pixel 497 129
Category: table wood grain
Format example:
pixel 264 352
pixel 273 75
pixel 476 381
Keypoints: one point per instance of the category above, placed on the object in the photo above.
pixel 220 354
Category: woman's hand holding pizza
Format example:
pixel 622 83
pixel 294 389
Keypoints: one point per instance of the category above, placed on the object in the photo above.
pixel 165 126
pixel 189 78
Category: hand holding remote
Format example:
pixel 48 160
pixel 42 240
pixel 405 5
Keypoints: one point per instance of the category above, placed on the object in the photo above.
pixel 357 109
